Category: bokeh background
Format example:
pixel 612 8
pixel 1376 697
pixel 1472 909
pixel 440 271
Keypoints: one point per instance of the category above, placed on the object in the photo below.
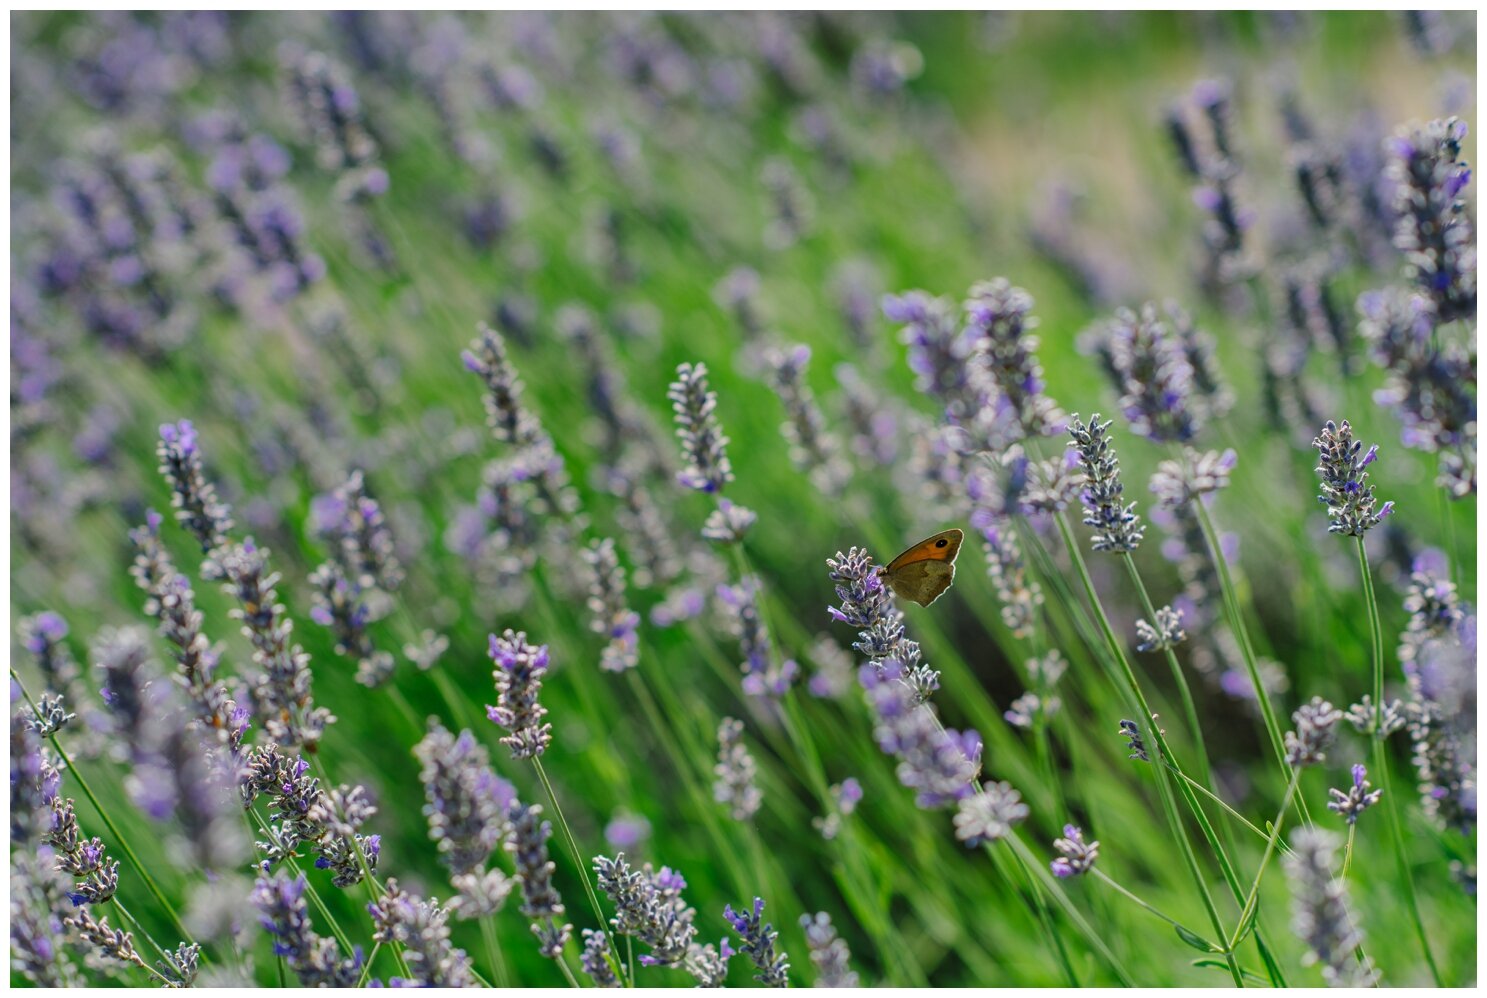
pixel 621 193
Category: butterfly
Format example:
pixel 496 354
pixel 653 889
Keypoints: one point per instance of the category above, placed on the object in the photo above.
pixel 925 570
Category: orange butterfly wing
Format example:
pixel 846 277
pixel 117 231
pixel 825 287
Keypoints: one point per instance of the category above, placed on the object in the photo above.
pixel 926 570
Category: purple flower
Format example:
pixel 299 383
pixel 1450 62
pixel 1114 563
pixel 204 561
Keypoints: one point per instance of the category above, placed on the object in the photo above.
pixel 520 668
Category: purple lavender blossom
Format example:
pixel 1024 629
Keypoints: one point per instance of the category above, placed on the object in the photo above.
pixel 1117 527
pixel 1345 490
pixel 704 447
pixel 193 496
pixel 736 773
pixel 1076 856
pixel 758 943
pixel 1000 338
pixel 1356 799
pixel 467 803
pixel 829 953
pixel 419 929
pixel 1320 915
pixel 520 668
pixel 1434 231
pixel 938 764
pixel 283 914
pixel 610 615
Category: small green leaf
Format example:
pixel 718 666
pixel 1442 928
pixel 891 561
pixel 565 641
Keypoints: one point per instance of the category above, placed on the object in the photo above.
pixel 1248 925
pixel 1196 941
pixel 1221 965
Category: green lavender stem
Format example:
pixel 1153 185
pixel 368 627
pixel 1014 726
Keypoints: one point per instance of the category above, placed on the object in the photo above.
pixel 1164 778
pixel 1381 764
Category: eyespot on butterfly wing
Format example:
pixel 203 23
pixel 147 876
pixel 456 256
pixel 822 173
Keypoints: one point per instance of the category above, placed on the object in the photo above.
pixel 925 570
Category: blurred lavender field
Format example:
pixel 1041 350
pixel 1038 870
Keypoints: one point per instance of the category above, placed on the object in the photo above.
pixel 453 456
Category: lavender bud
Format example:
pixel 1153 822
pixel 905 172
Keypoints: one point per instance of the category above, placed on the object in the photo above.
pixel 989 815
pixel 1162 634
pixel 829 953
pixel 704 448
pixel 1434 231
pixel 1132 733
pixel 1025 711
pixel 611 617
pixel 419 927
pixel 1345 490
pixel 762 677
pixel 758 943
pixel 812 448
pixel 1363 717
pixel 736 772
pixel 999 334
pixel 938 764
pixel 1316 729
pixel 1356 799
pixel 595 959
pixel 193 496
pixel 317 962
pixel 282 697
pixel 467 803
pixel 1319 906
pixel 728 523
pixel 540 899
pixel 1076 856
pixel 1178 482
pixel 1117 527
pixel 1151 371
pixel 509 421
pixel 649 907
pixel 519 671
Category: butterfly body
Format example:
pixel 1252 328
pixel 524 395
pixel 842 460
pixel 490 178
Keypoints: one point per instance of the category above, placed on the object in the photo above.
pixel 925 570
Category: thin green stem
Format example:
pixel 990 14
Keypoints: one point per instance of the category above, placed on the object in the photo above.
pixel 1190 710
pixel 578 860
pixel 1110 881
pixel 1381 763
pixel 493 952
pixel 1253 897
pixel 1246 647
pixel 1164 778
pixel 1055 891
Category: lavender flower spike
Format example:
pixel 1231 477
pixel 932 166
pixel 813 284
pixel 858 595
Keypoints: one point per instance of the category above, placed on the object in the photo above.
pixel 519 670
pixel 736 772
pixel 1356 799
pixel 193 496
pixel 1346 493
pixel 704 447
pixel 1117 527
pixel 758 944
pixel 1076 856
pixel 829 952
pixel 1320 909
